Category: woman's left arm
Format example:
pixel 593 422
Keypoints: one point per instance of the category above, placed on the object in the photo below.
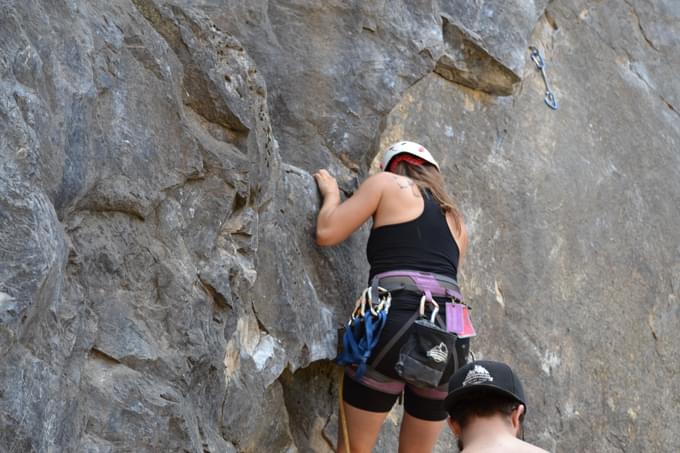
pixel 463 244
pixel 337 221
pixel 461 237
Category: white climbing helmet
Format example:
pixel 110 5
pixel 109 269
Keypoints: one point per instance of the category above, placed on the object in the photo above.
pixel 411 148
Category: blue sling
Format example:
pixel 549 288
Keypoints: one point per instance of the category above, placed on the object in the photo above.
pixel 363 331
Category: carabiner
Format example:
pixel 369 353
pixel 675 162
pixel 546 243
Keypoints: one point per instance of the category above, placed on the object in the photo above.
pixel 360 306
pixel 550 100
pixel 384 301
pixel 434 311
pixel 536 57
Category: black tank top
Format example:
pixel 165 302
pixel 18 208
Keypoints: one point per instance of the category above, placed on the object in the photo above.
pixel 423 244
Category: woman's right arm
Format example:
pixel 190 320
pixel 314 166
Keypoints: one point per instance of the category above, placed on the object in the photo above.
pixel 337 221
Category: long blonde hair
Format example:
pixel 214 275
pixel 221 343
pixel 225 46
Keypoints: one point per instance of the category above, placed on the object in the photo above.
pixel 427 177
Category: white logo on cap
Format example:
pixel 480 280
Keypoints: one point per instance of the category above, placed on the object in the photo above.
pixel 477 375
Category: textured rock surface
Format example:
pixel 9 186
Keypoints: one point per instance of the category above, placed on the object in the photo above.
pixel 159 285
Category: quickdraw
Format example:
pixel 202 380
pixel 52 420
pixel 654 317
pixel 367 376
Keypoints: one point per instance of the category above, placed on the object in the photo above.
pixel 384 301
pixel 364 328
pixel 549 99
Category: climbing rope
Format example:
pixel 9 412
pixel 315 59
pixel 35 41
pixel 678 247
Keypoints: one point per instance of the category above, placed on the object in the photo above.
pixel 343 418
pixel 549 99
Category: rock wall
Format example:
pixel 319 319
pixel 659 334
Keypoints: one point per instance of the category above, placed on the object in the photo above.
pixel 160 289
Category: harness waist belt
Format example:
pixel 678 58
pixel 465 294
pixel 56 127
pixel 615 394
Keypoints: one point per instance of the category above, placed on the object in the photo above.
pixel 423 282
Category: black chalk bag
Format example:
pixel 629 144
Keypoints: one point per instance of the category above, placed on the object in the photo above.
pixel 428 350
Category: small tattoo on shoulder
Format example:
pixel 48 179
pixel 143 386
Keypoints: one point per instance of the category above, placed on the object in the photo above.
pixel 403 184
pixel 406 183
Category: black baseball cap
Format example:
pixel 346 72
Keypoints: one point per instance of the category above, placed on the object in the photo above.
pixel 484 376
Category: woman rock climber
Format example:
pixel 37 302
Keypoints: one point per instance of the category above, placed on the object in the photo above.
pixel 416 227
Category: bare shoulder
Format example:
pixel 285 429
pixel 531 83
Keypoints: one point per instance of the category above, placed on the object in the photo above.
pixel 399 185
pixel 399 181
pixel 535 449
pixel 513 445
pixel 377 181
pixel 525 447
pixel 382 177
pixel 387 181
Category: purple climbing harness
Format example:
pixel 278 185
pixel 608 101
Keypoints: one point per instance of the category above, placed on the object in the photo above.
pixel 430 286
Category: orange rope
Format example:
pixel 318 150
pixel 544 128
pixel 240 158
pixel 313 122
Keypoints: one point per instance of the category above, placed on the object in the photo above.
pixel 343 419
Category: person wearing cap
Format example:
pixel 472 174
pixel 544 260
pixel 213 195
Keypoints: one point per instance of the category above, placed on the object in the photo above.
pixel 486 407
pixel 416 226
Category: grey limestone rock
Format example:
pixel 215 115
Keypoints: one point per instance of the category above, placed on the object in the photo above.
pixel 160 288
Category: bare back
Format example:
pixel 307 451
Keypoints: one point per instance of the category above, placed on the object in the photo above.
pixel 505 444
